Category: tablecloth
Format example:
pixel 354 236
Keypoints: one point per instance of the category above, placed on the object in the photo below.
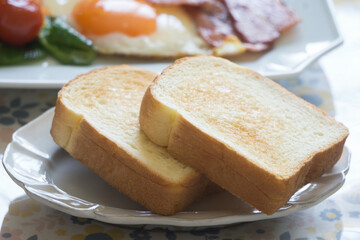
pixel 24 218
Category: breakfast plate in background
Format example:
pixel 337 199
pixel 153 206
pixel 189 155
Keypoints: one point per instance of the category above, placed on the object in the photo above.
pixel 49 175
pixel 314 36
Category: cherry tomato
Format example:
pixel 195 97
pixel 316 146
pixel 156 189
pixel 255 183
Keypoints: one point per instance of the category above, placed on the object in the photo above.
pixel 20 21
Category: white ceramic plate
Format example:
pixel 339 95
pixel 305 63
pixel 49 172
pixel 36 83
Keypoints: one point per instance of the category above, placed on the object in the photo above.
pixel 49 175
pixel 292 53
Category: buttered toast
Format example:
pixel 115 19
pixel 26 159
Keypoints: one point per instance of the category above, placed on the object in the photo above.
pixel 96 121
pixel 243 131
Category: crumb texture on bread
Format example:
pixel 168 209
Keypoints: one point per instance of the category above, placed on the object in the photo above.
pixel 96 121
pixel 222 118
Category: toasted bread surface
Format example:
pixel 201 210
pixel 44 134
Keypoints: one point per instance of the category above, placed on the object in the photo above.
pixel 243 131
pixel 96 121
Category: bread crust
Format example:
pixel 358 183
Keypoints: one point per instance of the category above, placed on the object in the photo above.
pixel 117 166
pixel 260 188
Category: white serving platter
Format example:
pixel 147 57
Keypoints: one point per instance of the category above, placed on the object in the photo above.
pixel 296 49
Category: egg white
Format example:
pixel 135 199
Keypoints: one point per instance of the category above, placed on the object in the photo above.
pixel 175 35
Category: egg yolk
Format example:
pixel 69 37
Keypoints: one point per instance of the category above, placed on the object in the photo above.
pixel 101 17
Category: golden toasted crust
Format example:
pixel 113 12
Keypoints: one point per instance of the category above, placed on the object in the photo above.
pixel 264 189
pixel 117 165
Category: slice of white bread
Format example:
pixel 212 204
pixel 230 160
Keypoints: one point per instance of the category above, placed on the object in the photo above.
pixel 96 121
pixel 243 131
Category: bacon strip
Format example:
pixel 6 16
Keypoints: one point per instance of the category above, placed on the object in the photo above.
pixel 257 23
pixel 213 22
pixel 249 25
pixel 178 2
pixel 276 12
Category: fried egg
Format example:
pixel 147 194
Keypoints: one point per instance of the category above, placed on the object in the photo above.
pixel 136 28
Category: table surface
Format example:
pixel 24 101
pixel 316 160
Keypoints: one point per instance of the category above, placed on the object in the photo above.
pixel 332 84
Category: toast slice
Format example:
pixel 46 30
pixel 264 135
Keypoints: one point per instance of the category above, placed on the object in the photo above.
pixel 243 131
pixel 96 121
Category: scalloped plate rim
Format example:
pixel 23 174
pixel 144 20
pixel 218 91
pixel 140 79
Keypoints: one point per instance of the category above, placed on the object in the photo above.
pixel 176 220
